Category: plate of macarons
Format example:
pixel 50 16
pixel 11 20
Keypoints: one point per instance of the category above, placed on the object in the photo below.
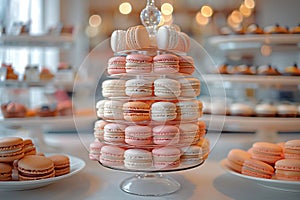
pixel 284 185
pixel 62 171
pixel 273 165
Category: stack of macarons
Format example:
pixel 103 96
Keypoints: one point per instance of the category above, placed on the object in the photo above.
pixel 20 161
pixel 137 38
pixel 149 116
pixel 279 161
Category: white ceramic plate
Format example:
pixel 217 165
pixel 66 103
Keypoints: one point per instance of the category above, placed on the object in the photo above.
pixel 76 164
pixel 292 186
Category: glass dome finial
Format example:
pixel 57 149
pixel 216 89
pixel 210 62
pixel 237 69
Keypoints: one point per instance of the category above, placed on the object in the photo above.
pixel 150 17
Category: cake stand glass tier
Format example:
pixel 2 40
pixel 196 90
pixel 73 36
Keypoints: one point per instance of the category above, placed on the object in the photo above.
pixel 151 181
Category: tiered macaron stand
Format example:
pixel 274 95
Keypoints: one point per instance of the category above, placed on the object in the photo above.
pixel 149 181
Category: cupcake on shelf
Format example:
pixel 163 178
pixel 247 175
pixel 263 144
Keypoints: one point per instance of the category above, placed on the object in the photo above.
pixel 243 70
pixel 265 109
pixel 223 69
pixel 254 29
pixel 46 110
pixel 287 109
pixel 295 30
pixel 13 110
pixel 276 29
pixel 292 70
pixel 241 109
pixel 267 70
pixel 46 75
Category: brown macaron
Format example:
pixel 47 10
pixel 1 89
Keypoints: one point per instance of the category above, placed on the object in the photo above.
pixel 5 172
pixel 29 148
pixel 11 148
pixel 61 164
pixel 34 167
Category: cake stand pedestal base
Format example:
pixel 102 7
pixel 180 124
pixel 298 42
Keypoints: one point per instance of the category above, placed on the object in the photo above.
pixel 150 185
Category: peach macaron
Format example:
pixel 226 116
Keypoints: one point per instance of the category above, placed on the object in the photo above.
pixel 257 168
pixel 288 169
pixel 136 111
pixel 11 148
pixel 266 152
pixel 236 159
pixel 165 63
pixel 292 149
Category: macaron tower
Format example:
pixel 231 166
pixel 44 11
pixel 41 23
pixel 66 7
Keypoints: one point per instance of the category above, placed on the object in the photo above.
pixel 150 109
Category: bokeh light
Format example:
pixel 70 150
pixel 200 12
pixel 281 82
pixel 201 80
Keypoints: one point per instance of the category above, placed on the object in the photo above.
pixel 206 11
pixel 166 9
pixel 95 20
pixel 201 20
pixel 125 8
pixel 249 3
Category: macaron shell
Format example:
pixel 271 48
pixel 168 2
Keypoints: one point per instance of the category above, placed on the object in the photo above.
pixel 136 111
pixel 61 164
pixel 163 111
pixel 116 65
pixel 112 155
pixel 165 63
pixel 138 135
pixel 165 135
pixel 167 38
pixel 257 168
pixel 137 159
pixel 5 172
pixel 166 157
pixel 11 148
pixel 117 41
pixel 34 167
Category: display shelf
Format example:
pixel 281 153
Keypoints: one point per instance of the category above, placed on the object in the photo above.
pixel 247 41
pixel 265 128
pixel 61 41
pixel 256 79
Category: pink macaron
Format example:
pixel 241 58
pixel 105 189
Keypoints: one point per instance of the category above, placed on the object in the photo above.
pixel 99 129
pixel 189 133
pixel 94 150
pixel 165 63
pixel 190 87
pixel 116 65
pixel 138 64
pixel 166 157
pixel 288 169
pixel 189 110
pixel 266 152
pixel 191 155
pixel 114 132
pixel 257 168
pixel 138 135
pixel 165 135
pixel 111 155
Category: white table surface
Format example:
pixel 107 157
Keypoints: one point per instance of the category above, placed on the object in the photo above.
pixel 207 182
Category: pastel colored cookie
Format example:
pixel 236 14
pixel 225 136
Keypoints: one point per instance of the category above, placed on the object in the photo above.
pixel 138 63
pixel 136 111
pixel 166 157
pixel 100 108
pixel 266 152
pixel 163 111
pixel 112 155
pixel 188 110
pixel 257 168
pixel 118 41
pixel 236 158
pixel 113 110
pixel 35 167
pixel 29 148
pixel 191 155
pixel 241 109
pixel 167 37
pixel 137 159
pixel 94 150
pixel 138 135
pixel 11 148
pixel 113 88
pixel 292 149
pixel 99 129
pixel 114 132
pixel 189 133
pixel 186 65
pixel 265 110
pixel 5 172
pixel 184 42
pixel 165 135
pixel 137 37
pixel 139 87
pixel 288 169
pixel 61 164
pixel 166 88
pixel 190 87
pixel 116 65
pixel 165 63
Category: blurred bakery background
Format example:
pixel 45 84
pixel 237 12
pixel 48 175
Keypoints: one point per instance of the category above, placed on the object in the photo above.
pixel 44 46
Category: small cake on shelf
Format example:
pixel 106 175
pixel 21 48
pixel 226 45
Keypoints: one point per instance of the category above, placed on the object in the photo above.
pixel 241 109
pixel 9 71
pixel 46 111
pixel 46 74
pixel 276 29
pixel 292 70
pixel 13 110
pixel 286 109
pixel 243 70
pixel 267 70
pixel 254 29
pixel 295 30
pixel 265 110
